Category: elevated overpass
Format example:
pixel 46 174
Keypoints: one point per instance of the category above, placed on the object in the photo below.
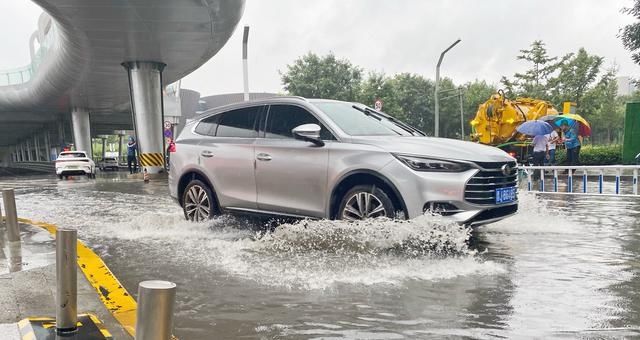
pixel 98 66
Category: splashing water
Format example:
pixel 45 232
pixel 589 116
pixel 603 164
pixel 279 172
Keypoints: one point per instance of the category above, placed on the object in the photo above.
pixel 307 254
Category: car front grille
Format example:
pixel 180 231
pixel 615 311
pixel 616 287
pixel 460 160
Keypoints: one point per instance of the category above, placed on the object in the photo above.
pixel 481 188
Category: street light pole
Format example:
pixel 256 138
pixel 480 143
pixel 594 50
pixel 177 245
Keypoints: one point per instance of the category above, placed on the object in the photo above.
pixel 245 66
pixel 437 110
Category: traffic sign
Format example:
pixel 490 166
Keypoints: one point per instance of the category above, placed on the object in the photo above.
pixel 167 124
pixel 378 105
pixel 168 133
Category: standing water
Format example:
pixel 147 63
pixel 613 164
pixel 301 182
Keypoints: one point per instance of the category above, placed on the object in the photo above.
pixel 563 267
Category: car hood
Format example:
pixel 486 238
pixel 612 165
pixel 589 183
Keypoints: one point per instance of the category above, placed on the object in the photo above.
pixel 443 148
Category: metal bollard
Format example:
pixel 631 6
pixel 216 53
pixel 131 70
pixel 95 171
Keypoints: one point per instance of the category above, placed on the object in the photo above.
pixel 15 256
pixel 154 318
pixel 11 217
pixel 66 281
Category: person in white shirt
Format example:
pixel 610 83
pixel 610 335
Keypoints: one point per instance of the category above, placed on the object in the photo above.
pixel 552 140
pixel 540 152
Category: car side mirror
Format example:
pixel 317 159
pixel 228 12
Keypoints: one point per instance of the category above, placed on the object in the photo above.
pixel 309 133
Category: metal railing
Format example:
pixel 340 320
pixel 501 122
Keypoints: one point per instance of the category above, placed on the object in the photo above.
pixel 24 74
pixel 579 176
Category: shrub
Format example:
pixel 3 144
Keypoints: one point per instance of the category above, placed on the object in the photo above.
pixel 594 155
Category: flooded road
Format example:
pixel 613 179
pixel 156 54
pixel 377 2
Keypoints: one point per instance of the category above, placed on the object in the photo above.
pixel 563 267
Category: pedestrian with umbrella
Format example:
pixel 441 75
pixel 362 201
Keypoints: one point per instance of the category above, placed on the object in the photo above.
pixel 571 142
pixel 574 127
pixel 538 129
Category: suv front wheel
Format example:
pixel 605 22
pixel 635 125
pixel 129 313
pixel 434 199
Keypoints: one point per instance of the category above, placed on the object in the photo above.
pixel 198 202
pixel 365 201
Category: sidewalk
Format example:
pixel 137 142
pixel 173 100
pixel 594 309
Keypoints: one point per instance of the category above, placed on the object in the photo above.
pixel 27 287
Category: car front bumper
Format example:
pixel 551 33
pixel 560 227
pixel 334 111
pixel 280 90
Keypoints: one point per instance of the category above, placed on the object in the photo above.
pixel 444 193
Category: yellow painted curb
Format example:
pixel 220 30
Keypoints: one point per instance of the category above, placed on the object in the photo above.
pixel 113 295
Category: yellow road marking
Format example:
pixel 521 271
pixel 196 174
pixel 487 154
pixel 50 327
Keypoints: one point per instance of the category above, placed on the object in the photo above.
pixel 113 295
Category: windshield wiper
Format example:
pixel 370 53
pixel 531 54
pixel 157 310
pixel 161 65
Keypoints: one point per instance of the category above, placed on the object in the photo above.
pixel 379 115
pixel 367 113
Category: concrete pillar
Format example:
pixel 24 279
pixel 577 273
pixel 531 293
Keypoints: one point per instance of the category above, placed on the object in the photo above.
pixel 28 147
pixel 104 147
pixel 81 130
pixel 61 134
pixel 119 149
pixel 47 145
pixel 36 148
pixel 145 89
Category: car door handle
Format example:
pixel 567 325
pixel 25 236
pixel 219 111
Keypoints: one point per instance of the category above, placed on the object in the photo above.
pixel 263 157
pixel 206 153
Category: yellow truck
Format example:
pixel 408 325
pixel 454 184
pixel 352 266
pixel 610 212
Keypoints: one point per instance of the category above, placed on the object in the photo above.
pixel 496 121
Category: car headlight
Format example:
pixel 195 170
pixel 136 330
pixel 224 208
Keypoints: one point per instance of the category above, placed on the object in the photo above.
pixel 433 165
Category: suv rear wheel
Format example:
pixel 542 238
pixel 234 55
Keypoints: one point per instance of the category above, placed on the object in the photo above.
pixel 365 201
pixel 198 202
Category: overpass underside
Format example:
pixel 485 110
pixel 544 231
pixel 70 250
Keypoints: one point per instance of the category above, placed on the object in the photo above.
pixel 102 66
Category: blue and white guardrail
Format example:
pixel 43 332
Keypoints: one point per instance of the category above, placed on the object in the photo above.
pixel 582 173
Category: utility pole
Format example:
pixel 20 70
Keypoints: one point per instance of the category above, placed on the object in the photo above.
pixel 437 110
pixel 461 116
pixel 245 66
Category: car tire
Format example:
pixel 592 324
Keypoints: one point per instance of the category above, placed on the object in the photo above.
pixel 196 207
pixel 59 176
pixel 365 201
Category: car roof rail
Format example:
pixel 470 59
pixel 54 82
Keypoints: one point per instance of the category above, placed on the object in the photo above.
pixel 289 97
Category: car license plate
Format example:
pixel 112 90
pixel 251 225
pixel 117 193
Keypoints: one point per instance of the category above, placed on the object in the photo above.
pixel 505 195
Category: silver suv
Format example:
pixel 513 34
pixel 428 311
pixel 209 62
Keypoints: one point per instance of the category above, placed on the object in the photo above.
pixel 297 157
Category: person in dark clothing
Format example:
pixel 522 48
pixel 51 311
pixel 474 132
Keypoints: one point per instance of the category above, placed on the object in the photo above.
pixel 132 148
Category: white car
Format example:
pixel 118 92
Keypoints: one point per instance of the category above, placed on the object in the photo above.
pixel 108 163
pixel 75 163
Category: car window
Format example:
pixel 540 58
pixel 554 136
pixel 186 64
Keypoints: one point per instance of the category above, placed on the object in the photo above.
pixel 208 126
pixel 238 123
pixel 284 118
pixel 73 155
pixel 357 123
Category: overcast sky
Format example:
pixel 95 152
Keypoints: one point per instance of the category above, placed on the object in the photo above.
pixel 388 36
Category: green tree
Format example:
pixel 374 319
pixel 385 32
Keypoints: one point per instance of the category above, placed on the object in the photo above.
pixel 630 34
pixel 313 76
pixel 413 96
pixel 534 82
pixel 601 107
pixel 576 76
pixel 378 86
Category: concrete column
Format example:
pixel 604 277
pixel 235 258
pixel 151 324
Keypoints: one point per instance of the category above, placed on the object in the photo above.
pixel 36 147
pixel 47 145
pixel 119 149
pixel 81 130
pixel 60 134
pixel 104 147
pixel 145 89
pixel 28 147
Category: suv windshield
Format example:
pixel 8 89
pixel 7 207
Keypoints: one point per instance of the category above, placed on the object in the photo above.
pixel 359 120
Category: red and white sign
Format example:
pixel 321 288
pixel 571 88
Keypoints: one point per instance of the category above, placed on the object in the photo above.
pixel 378 105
